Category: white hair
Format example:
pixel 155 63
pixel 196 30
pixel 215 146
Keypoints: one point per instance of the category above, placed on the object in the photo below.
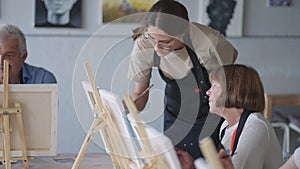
pixel 13 32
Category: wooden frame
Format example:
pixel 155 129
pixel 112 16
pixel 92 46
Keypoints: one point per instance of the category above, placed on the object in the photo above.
pixel 39 105
pixel 279 100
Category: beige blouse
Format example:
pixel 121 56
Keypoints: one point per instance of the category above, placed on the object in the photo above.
pixel 210 46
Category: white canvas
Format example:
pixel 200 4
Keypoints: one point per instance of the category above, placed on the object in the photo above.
pixel 161 145
pixel 115 106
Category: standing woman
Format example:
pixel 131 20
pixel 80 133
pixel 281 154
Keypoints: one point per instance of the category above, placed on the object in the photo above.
pixel 237 95
pixel 183 52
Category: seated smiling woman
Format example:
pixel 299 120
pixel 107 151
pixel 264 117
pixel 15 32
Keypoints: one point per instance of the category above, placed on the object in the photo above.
pixel 237 95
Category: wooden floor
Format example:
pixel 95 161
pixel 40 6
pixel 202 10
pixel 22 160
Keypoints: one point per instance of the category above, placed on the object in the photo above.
pixel 90 161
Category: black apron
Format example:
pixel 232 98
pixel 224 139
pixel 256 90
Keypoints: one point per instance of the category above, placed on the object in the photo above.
pixel 240 127
pixel 186 105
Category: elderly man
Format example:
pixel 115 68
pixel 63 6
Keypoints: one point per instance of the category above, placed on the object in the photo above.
pixel 13 49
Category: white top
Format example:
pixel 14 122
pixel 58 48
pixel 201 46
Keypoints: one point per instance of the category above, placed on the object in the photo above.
pixel 210 46
pixel 297 157
pixel 258 146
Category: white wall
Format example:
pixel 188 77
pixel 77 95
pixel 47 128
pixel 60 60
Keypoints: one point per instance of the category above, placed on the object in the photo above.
pixel 61 50
pixel 263 20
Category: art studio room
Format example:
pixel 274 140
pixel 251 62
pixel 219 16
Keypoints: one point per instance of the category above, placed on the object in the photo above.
pixel 149 84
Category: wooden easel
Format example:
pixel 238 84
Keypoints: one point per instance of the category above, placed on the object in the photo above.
pixel 5 113
pixel 103 122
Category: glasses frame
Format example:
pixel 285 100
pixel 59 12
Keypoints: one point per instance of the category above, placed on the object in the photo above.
pixel 164 44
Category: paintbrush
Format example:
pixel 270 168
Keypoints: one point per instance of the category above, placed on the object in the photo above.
pixel 143 93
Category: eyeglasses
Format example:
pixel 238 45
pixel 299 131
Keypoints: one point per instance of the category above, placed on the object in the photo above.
pixel 164 44
pixel 9 55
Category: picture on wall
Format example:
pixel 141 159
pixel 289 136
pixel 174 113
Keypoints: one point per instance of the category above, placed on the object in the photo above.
pixel 53 13
pixel 114 9
pixel 219 10
pixel 279 2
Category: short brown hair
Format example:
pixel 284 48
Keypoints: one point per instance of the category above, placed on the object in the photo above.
pixel 241 87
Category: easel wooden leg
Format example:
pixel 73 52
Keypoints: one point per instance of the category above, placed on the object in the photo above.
pixel 82 151
pixel 6 139
pixel 5 113
pixel 86 143
pixel 6 135
pixel 2 139
pixel 22 137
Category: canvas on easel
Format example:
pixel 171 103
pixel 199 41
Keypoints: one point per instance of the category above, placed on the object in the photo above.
pixel 114 103
pixel 157 150
pixel 163 149
pixel 39 104
pixel 105 122
pixel 130 144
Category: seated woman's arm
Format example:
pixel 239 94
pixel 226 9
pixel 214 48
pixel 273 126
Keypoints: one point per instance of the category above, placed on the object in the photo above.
pixel 293 162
